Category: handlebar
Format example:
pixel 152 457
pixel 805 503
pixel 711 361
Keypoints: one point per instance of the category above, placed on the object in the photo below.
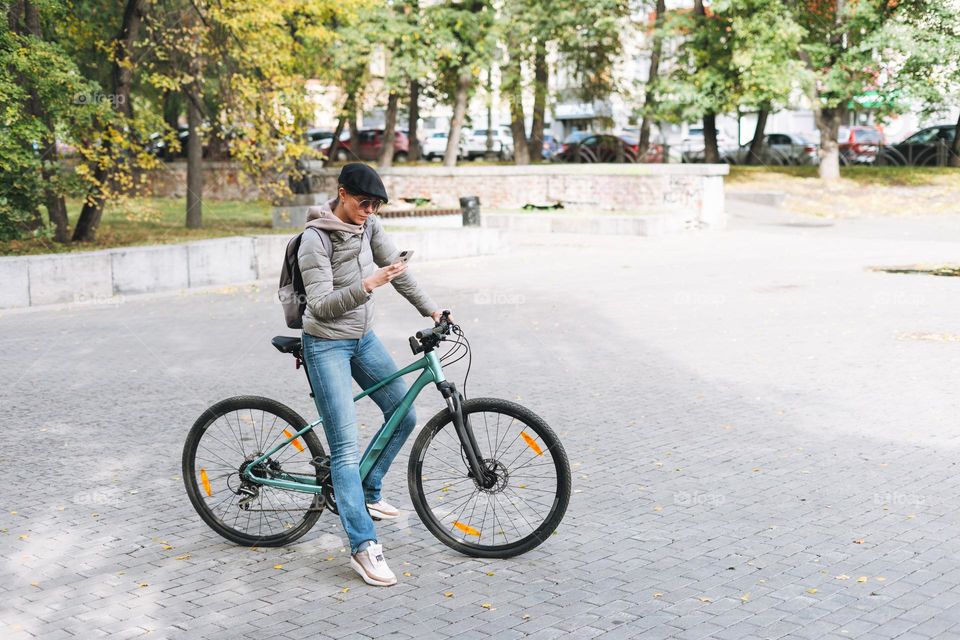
pixel 429 338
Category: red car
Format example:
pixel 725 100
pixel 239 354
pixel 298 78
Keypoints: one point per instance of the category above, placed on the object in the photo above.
pixel 590 147
pixel 370 141
pixel 859 144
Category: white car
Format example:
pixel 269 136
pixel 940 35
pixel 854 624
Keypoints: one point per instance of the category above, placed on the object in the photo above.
pixel 435 146
pixel 477 144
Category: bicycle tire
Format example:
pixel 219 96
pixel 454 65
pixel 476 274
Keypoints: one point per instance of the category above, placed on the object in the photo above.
pixel 211 416
pixel 547 438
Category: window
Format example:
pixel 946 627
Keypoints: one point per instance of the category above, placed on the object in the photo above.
pixel 925 136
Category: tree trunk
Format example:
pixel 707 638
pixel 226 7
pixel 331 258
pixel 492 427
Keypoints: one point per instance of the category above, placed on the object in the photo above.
pixel 541 74
pixel 389 132
pixel 514 90
pixel 194 160
pixel 92 212
pixel 413 120
pixel 341 122
pixel 955 151
pixel 753 155
pixel 459 114
pixel 649 102
pixel 710 152
pixel 828 122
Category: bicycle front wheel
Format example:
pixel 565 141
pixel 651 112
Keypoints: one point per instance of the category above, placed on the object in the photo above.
pixel 523 507
pixel 227 437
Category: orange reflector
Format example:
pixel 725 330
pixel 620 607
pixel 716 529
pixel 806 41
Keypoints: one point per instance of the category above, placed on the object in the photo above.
pixel 467 529
pixel 530 443
pixel 296 443
pixel 206 482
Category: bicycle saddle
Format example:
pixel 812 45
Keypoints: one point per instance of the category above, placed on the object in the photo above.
pixel 286 344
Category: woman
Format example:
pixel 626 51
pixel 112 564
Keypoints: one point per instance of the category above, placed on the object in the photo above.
pixel 338 343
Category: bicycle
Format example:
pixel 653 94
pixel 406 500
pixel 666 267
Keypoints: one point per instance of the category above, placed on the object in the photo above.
pixel 258 475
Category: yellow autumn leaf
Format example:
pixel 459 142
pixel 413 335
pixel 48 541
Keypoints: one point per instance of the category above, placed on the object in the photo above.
pixel 345 589
pixel 858 541
pixel 278 566
pixel 705 599
pixel 448 594
pixel 486 605
pixel 811 590
pixel 489 573
pixel 407 573
pixel 658 595
pixel 862 579
pixel 843 577
pixel 185 556
pixel 745 597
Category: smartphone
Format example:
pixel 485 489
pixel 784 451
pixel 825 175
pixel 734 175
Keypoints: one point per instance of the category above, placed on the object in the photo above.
pixel 405 256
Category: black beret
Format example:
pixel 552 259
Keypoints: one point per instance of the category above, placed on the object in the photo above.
pixel 361 179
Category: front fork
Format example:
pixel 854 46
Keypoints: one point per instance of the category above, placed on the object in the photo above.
pixel 484 477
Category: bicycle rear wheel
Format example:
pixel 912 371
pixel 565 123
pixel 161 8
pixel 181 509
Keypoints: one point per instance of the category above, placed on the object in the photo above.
pixel 224 439
pixel 526 503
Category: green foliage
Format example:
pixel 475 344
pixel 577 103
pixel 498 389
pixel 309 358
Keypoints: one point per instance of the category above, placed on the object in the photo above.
pixel 740 54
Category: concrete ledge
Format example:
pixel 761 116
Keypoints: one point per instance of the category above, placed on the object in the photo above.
pixel 15 279
pixel 221 261
pixel 101 276
pixel 70 277
pixel 270 251
pixel 150 269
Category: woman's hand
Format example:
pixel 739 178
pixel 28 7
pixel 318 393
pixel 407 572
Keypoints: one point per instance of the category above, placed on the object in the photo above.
pixel 383 275
pixel 438 313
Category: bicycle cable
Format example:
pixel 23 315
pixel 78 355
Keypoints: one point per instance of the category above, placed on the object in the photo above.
pixel 457 331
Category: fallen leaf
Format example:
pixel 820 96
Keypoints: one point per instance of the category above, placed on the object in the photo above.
pixel 843 577
pixel 705 599
pixel 811 590
pixel 167 547
pixel 658 595
pixel 657 507
pixel 862 579
pixel 185 556
pixel 448 594
pixel 745 597
pixel 278 566
pixel 407 573
pixel 487 605
pixel 859 541
pixel 144 584
pixel 879 578
pixel 24 536
pixel 489 573
pixel 345 589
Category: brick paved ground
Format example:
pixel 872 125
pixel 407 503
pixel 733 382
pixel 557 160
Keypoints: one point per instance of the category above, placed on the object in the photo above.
pixel 764 436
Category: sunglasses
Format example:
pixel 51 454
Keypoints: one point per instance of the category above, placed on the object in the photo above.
pixel 373 204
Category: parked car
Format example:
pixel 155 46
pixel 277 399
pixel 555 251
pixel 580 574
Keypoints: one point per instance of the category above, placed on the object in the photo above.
pixel 369 143
pixel 777 149
pixel 320 138
pixel 928 147
pixel 693 145
pixel 859 144
pixel 605 147
pixel 436 145
pixel 476 144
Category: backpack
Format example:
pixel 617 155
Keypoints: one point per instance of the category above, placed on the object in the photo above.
pixel 292 292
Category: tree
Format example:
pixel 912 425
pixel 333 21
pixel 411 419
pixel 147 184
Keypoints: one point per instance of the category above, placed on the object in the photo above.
pixel 930 75
pixel 464 43
pixel 586 36
pixel 649 103
pixel 848 47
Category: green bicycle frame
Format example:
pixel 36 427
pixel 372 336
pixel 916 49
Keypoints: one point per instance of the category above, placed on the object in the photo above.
pixel 432 373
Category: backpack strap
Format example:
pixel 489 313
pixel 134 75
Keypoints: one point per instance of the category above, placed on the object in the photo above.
pixel 328 245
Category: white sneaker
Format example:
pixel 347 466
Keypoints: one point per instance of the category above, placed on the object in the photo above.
pixel 371 566
pixel 383 510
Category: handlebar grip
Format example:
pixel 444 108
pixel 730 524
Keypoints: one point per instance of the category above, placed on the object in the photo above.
pixel 437 330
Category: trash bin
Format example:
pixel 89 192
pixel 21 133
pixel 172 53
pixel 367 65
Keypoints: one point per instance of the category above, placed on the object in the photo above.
pixel 470 207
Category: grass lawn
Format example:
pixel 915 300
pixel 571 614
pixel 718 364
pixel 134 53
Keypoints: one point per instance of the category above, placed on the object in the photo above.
pixel 142 221
pixel 861 191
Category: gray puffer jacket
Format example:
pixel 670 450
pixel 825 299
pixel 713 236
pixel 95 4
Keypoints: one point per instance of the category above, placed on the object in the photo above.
pixel 338 307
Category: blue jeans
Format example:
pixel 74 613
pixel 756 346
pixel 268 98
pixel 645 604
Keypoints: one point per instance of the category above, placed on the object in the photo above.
pixel 330 365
